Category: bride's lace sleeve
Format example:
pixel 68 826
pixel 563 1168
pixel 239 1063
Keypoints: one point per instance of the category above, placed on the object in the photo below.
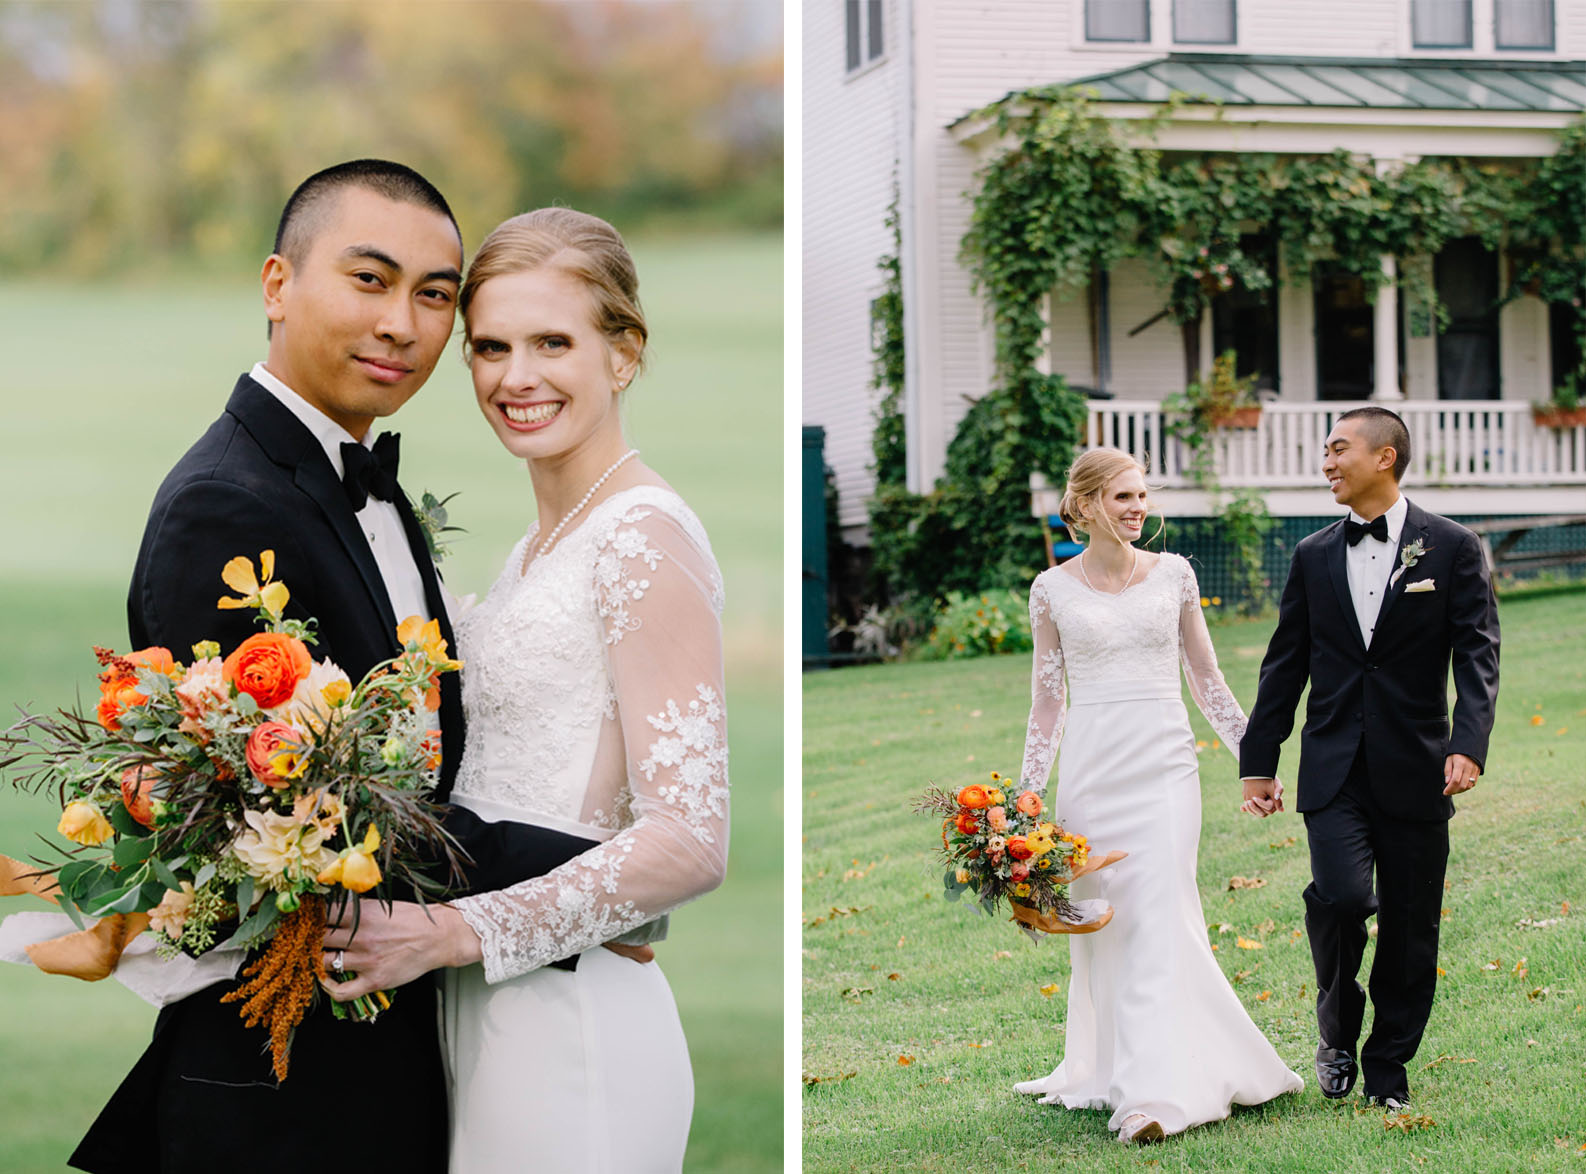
pixel 659 597
pixel 1211 692
pixel 1048 694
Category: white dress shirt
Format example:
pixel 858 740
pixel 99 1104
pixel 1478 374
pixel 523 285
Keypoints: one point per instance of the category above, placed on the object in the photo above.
pixel 379 520
pixel 1370 564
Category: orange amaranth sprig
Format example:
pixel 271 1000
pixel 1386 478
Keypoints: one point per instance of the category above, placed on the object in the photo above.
pixel 284 980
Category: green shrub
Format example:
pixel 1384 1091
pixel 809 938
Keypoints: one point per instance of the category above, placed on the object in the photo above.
pixel 983 624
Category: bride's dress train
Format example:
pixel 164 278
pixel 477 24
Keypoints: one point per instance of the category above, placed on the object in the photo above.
pixel 593 687
pixel 1153 1027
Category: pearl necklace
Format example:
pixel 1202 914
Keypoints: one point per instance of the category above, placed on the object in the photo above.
pixel 583 501
pixel 1133 566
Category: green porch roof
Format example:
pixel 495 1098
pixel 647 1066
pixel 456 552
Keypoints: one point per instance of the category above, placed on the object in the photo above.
pixel 1394 83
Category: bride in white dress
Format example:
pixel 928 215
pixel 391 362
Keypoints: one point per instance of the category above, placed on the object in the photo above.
pixel 594 697
pixel 1154 1032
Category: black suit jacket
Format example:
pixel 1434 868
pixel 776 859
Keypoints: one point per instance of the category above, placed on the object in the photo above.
pixel 1392 696
pixel 202 1097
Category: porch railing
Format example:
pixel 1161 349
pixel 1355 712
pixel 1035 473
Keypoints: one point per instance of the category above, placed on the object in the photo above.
pixel 1483 443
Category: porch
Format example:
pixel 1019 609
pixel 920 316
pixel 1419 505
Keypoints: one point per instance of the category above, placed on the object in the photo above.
pixel 1466 458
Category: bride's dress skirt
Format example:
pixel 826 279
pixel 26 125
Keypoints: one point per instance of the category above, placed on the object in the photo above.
pixel 1153 1026
pixel 580 1071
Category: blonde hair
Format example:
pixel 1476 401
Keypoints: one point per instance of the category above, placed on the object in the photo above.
pixel 1088 478
pixel 584 246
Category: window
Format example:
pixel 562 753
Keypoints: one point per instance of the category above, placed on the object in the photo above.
pixel 1203 22
pixel 1440 24
pixel 1117 20
pixel 1523 24
pixel 1247 323
pixel 863 20
pixel 1565 335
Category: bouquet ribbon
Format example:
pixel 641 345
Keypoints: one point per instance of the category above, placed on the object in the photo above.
pixel 89 954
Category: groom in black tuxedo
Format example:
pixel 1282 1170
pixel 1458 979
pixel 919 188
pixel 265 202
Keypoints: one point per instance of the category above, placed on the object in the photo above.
pixel 360 294
pixel 1376 609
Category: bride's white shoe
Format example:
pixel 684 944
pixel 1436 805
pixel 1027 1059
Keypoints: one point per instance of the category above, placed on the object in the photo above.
pixel 1138 1129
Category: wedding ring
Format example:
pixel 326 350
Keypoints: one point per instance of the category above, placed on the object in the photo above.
pixel 336 962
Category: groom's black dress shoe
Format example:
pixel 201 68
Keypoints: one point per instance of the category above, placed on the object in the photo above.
pixel 1335 1072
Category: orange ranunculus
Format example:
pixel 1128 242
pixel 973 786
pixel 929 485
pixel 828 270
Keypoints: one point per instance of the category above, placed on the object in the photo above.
pixel 974 796
pixel 137 793
pixel 966 823
pixel 267 666
pixel 1018 848
pixel 1029 803
pixel 118 684
pixel 275 754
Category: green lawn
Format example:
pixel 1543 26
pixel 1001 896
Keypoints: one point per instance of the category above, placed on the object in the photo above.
pixel 107 384
pixel 893 973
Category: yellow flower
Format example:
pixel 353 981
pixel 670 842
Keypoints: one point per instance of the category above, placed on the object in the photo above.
pixel 427 635
pixel 206 650
pixel 85 824
pixel 355 868
pixel 1021 890
pixel 238 575
pixel 1217 600
pixel 336 693
pixel 962 876
pixel 1039 844
pixel 1205 602
pixel 996 796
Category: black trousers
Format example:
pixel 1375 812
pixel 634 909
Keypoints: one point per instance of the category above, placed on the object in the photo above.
pixel 1349 838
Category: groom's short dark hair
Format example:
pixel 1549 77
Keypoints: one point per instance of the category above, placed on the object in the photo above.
pixel 1386 430
pixel 304 211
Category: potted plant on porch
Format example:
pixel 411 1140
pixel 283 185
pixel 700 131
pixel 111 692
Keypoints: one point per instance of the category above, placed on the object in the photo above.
pixel 1225 400
pixel 1565 409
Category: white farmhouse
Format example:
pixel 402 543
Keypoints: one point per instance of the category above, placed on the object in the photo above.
pixel 890 91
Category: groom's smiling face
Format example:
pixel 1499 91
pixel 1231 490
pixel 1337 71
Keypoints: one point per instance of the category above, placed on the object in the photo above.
pixel 360 319
pixel 1356 471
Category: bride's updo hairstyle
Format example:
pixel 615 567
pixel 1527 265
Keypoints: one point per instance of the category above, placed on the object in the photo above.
pixel 584 246
pixel 1088 478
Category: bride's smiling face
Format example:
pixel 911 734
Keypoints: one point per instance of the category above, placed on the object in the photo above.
pixel 1120 513
pixel 545 376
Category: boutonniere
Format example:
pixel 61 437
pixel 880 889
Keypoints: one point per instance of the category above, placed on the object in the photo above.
pixel 1408 557
pixel 430 512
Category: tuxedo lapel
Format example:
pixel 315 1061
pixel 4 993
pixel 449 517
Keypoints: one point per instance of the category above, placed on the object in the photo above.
pixel 285 441
pixel 451 687
pixel 1338 572
pixel 1415 528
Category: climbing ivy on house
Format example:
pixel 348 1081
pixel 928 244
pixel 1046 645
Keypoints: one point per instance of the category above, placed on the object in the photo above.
pixel 1071 196
pixel 887 444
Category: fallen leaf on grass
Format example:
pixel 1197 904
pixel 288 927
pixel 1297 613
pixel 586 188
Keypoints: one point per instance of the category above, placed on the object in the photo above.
pixel 1247 882
pixel 1247 944
pixel 1531 1043
pixel 1263 996
pixel 905 1061
pixel 1527 923
pixel 850 911
pixel 1445 1057
pixel 1050 989
pixel 1408 1121
pixel 901 941
pixel 894 976
pixel 1537 719
pixel 1295 936
pixel 1520 970
pixel 856 993
pixel 1444 911
pixel 811 1078
pixel 1275 845
pixel 1441 973
pixel 1221 927
pixel 1241 975
pixel 860 871
pixel 1565 911
pixel 1493 965
pixel 1001 954
pixel 1541 992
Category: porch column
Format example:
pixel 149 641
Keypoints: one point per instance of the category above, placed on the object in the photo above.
pixel 1385 336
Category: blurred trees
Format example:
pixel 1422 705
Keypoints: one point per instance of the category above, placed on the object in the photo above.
pixel 134 129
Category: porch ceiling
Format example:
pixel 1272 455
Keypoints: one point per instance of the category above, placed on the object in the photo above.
pixel 1344 83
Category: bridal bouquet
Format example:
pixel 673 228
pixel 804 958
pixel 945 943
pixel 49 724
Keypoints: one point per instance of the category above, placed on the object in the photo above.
pixel 997 848
pixel 223 802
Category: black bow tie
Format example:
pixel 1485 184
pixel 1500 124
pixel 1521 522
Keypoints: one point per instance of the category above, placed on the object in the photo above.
pixel 370 473
pixel 1377 528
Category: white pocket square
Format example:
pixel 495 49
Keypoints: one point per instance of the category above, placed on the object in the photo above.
pixel 1420 585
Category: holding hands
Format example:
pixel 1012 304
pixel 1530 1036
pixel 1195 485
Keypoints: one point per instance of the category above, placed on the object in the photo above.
pixel 1263 797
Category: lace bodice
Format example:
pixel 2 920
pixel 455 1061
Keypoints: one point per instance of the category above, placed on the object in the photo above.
pixel 593 687
pixel 1087 640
